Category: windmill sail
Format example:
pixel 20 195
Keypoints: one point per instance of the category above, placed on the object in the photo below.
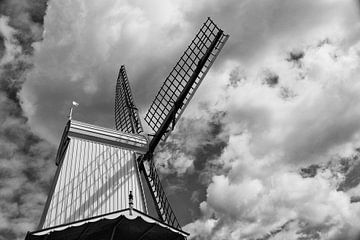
pixel 185 78
pixel 162 204
pixel 171 101
pixel 126 114
pixel 97 190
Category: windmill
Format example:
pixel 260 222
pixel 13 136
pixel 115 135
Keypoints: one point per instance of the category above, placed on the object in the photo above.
pixel 97 191
pixel 168 105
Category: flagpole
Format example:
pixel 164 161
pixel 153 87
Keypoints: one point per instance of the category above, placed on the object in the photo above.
pixel 74 104
pixel 70 113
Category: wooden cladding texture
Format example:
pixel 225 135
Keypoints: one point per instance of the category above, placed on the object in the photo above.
pixel 94 179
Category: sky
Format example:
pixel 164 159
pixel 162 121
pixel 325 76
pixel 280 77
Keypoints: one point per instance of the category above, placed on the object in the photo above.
pixel 269 147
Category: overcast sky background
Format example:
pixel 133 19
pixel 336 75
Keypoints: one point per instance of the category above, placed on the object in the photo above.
pixel 269 146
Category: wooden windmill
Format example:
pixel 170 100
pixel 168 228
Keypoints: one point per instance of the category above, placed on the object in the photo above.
pixel 97 191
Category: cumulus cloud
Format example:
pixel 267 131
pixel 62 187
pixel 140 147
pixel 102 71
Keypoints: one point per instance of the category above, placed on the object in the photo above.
pixel 307 116
pixel 84 44
pixel 284 96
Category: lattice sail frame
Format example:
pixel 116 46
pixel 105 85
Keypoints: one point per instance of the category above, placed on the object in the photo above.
pixel 126 114
pixel 181 74
pixel 162 204
pixel 172 99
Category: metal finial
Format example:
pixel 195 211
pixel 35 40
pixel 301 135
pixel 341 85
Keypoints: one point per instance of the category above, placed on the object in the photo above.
pixel 131 202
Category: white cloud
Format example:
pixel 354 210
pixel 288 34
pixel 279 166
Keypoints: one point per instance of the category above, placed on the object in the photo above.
pixel 271 136
pixel 310 115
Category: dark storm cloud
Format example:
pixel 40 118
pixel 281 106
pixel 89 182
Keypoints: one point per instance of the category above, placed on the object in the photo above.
pixel 12 78
pixel 25 158
pixel 213 142
pixel 193 146
pixel 26 163
pixel 295 56
pixel 347 167
pixel 2 46
pixel 309 171
pixel 27 17
pixel 271 79
pixel 352 177
pixel 187 161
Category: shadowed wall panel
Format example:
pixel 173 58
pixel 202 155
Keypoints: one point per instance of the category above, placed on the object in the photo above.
pixel 94 178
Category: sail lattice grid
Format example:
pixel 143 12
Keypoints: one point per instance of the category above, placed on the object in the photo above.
pixel 162 204
pixel 182 72
pixel 126 114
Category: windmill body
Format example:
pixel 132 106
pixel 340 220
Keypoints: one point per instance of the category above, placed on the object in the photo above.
pixel 97 191
pixel 95 175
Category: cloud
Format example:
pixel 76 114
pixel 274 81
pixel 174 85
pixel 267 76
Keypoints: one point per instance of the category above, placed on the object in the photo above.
pixel 84 44
pixel 193 143
pixel 285 88
pixel 24 157
pixel 27 18
pixel 272 135
pixel 252 208
pixel 11 46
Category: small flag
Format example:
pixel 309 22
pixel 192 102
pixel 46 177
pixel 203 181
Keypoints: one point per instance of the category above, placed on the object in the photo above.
pixel 75 104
